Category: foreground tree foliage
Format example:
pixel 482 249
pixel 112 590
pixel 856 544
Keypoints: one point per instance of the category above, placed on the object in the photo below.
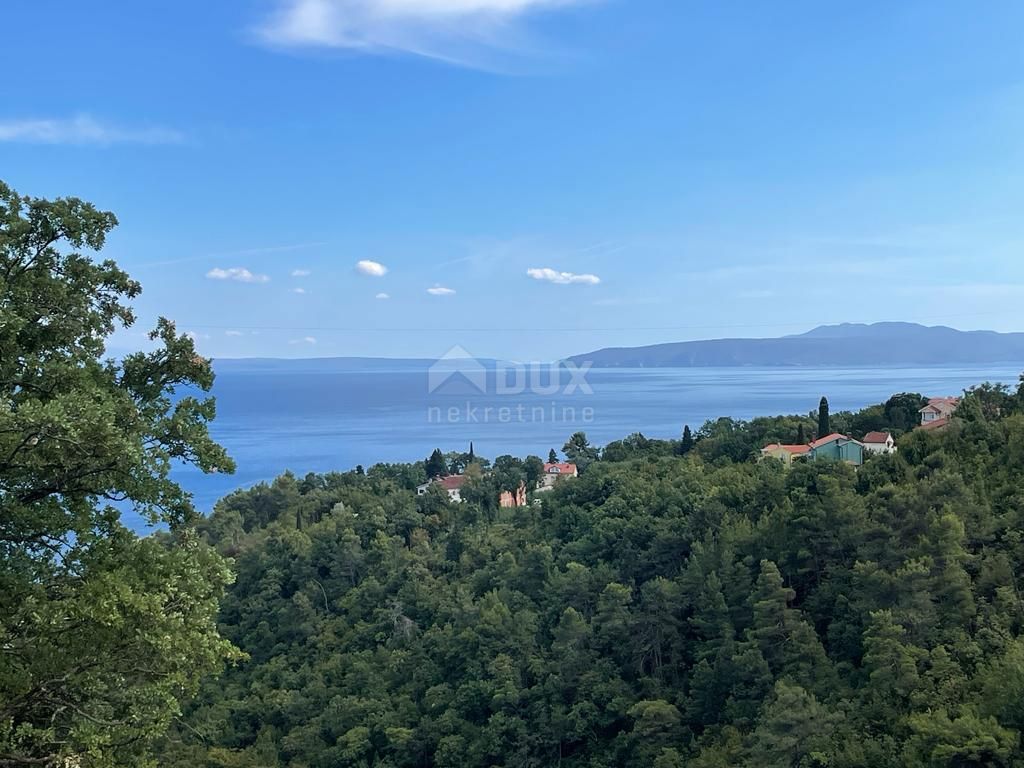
pixel 101 633
pixel 660 610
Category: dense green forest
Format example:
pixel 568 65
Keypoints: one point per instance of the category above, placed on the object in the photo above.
pixel 697 610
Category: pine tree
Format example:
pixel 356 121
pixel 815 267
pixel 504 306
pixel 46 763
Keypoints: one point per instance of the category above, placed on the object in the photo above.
pixel 789 644
pixel 770 603
pixel 436 465
pixel 792 728
pixel 552 457
pixel 824 427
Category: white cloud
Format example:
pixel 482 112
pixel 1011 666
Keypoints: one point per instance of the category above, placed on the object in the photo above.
pixel 196 336
pixel 301 273
pixel 371 268
pixel 382 296
pixel 561 278
pixel 440 290
pixel 83 129
pixel 298 290
pixel 310 340
pixel 233 333
pixel 458 31
pixel 238 274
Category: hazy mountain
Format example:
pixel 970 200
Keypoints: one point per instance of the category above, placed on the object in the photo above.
pixel 848 344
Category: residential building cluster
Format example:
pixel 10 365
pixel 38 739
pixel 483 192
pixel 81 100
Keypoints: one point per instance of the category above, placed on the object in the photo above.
pixel 553 474
pixel 838 447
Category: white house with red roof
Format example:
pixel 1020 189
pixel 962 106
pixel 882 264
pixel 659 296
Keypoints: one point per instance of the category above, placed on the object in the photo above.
pixel 938 412
pixel 879 442
pixel 553 473
pixel 452 484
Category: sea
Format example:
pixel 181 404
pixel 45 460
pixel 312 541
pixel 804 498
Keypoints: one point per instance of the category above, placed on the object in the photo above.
pixel 316 418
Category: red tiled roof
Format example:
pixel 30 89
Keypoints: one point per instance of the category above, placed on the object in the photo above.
pixel 934 424
pixel 452 482
pixel 796 450
pixel 876 437
pixel 935 402
pixel 828 439
pixel 560 469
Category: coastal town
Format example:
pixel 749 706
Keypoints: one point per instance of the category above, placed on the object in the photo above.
pixel 934 415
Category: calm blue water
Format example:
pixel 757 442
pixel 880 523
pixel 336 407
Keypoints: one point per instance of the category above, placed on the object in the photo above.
pixel 317 421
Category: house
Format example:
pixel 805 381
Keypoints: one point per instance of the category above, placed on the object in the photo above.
pixel 839 448
pixel 555 472
pixel 785 453
pixel 507 500
pixel 938 412
pixel 879 442
pixel 452 484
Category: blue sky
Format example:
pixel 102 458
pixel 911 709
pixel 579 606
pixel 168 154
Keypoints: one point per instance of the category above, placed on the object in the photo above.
pixel 574 174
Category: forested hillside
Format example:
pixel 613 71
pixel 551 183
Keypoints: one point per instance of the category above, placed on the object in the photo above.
pixel 661 610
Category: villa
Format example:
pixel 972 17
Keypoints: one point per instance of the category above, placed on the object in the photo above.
pixel 938 412
pixel 879 442
pixel 785 453
pixel 554 473
pixel 452 484
pixel 838 447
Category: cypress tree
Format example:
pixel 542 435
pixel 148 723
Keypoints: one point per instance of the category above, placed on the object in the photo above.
pixel 472 457
pixel 823 419
pixel 687 443
pixel 801 436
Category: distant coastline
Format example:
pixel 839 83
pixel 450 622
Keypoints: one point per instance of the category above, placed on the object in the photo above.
pixel 848 345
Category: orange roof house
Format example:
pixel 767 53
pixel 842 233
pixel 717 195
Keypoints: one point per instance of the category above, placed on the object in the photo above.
pixel 784 453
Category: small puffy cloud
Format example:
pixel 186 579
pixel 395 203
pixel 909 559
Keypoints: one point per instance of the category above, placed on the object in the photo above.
pixel 307 340
pixel 301 273
pixel 371 268
pixel 233 333
pixel 238 274
pixel 382 296
pixel 549 275
pixel 298 290
pixel 194 336
pixel 82 129
pixel 440 290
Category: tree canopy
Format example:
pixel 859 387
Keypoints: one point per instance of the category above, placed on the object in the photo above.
pixel 101 633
